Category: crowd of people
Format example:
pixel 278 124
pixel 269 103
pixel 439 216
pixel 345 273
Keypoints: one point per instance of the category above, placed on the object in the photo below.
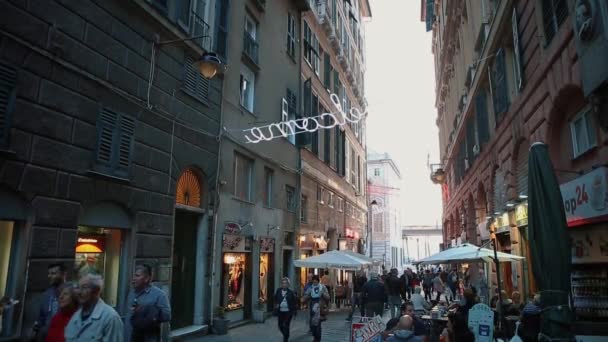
pixel 74 310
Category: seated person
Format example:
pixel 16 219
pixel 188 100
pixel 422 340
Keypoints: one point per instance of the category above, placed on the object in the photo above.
pixel 420 328
pixel 420 304
pixel 457 329
pixel 517 304
pixel 530 320
pixel 404 331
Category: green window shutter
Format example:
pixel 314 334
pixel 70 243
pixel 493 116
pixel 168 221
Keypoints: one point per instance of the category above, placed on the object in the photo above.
pixel 471 141
pixel 303 139
pixel 481 111
pixel 500 94
pixel 314 136
pixel 222 8
pixel 8 95
pixel 336 82
pixel 194 83
pixel 126 140
pixel 430 14
pixel 327 141
pixel 115 141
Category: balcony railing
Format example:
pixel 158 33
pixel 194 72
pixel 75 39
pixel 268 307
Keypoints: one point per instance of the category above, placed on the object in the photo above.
pixel 198 27
pixel 250 47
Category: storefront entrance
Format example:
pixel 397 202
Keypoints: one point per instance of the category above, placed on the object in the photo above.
pixel 184 268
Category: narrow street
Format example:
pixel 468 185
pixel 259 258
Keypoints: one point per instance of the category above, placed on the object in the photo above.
pixel 335 329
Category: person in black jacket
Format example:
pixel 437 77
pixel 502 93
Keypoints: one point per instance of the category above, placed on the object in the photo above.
pixel 374 296
pixel 285 307
pixel 359 282
pixel 393 287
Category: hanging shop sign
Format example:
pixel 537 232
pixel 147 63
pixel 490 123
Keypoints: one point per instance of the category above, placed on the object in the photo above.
pixel 481 322
pixel 502 223
pixel 236 243
pixel 232 228
pixel 267 245
pixel 586 198
pixel 521 215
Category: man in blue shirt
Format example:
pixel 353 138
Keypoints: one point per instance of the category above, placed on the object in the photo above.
pixel 50 300
pixel 148 307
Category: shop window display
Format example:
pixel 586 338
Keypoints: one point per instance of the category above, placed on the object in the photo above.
pixel 264 269
pixel 98 251
pixel 234 264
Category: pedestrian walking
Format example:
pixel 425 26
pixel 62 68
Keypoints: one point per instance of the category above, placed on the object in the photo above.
pixel 95 320
pixel 394 286
pixel 359 282
pixel 374 296
pixel 285 307
pixel 148 307
pixel 68 304
pixel 427 284
pixel 317 298
pixel 49 305
pixel 405 283
pixel 438 286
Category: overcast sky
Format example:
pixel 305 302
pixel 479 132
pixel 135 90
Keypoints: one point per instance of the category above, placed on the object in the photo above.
pixel 400 89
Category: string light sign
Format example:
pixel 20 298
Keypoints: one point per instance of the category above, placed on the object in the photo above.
pixel 312 124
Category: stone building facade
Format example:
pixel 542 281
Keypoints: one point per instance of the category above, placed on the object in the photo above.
pixel 511 73
pixel 334 201
pixel 101 167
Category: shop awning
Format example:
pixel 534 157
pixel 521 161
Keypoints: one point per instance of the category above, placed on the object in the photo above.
pixel 466 253
pixel 340 260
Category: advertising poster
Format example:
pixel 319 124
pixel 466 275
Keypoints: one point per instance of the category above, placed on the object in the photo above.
pixel 367 329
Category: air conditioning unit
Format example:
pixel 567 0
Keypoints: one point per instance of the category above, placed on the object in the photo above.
pixel 476 150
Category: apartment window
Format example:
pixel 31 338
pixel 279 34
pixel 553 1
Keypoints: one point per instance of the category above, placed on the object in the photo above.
pixel 311 48
pixel 316 108
pixel 376 172
pixel 359 167
pixel 250 45
pixel 221 28
pixel 304 210
pixel 115 140
pixel 291 35
pixel 517 53
pixel 481 115
pixel 330 199
pixel 288 112
pixel 378 222
pixel 347 157
pixel 268 187
pixel 320 194
pixel 555 13
pixel 327 141
pixel 327 71
pixel 583 132
pixel 247 88
pixel 290 194
pixel 340 204
pixel 243 177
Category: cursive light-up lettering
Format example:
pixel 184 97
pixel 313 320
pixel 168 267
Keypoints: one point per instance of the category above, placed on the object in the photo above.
pixel 312 124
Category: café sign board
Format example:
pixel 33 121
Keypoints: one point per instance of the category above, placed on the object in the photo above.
pixel 586 198
pixel 521 215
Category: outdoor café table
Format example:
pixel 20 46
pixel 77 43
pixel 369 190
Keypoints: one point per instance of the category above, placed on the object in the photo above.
pixel 436 326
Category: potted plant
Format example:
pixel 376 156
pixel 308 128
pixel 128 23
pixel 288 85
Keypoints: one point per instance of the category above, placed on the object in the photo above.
pixel 220 323
pixel 259 313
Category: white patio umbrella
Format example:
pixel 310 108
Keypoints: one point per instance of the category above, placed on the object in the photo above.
pixel 467 253
pixel 333 260
pixel 363 257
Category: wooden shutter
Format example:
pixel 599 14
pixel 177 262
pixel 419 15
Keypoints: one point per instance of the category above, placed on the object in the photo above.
pixel 126 133
pixel 106 129
pixel 337 84
pixel 8 94
pixel 194 83
pixel 327 141
pixel 314 136
pixel 519 70
pixel 499 191
pixel 481 111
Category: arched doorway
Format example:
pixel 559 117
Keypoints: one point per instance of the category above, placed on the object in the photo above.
pixel 190 248
pixel 101 248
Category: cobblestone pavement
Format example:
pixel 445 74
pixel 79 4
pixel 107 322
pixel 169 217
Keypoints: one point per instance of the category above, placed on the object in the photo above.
pixel 335 329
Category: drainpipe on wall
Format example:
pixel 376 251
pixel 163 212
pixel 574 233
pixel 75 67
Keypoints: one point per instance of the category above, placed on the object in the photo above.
pixel 296 247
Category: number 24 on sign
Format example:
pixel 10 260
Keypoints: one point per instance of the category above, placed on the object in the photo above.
pixel 582 197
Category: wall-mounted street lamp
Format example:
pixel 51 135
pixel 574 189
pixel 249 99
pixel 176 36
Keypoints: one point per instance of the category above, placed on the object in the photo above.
pixel 437 173
pixel 208 64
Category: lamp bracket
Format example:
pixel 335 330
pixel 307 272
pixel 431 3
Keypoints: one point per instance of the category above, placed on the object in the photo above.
pixel 166 42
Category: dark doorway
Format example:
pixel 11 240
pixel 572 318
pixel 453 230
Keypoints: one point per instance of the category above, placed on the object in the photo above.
pixel 184 269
